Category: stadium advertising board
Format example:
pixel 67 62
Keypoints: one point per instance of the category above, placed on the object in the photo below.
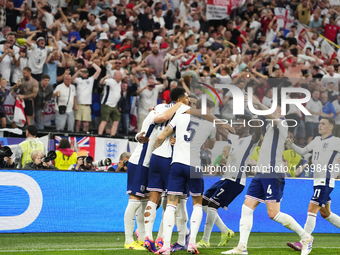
pixel 66 201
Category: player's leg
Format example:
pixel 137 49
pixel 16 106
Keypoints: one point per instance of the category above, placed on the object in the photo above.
pixel 206 200
pixel 140 219
pixel 273 188
pixel 196 188
pixel 160 231
pixel 176 184
pixel 169 222
pixel 327 214
pixel 325 211
pixel 182 225
pixel 158 182
pixel 136 195
pixel 255 195
pixel 129 222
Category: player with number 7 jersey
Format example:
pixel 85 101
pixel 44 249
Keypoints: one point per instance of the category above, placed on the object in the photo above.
pixel 325 156
pixel 223 192
pixel 191 133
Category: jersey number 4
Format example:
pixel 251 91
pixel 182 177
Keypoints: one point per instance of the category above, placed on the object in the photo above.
pixel 191 130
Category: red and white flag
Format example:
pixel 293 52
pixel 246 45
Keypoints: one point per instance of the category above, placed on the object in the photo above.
pixel 9 107
pixel 285 18
pixel 328 50
pixel 300 29
pixel 19 113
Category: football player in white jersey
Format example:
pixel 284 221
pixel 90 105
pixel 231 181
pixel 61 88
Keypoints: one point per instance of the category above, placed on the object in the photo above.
pixel 268 184
pixel 191 133
pixel 138 177
pixel 159 169
pixel 325 152
pixel 223 192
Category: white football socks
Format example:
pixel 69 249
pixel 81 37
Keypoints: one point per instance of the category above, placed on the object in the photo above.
pixel 149 218
pixel 195 222
pixel 160 230
pixel 246 224
pixel 129 219
pixel 181 221
pixel 289 222
pixel 334 219
pixel 140 219
pixel 310 223
pixel 209 224
pixel 168 224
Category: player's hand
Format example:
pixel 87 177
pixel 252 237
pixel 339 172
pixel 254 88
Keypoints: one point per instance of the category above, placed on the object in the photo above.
pixel 289 141
pixel 173 140
pixel 228 127
pixel 141 138
pixel 20 96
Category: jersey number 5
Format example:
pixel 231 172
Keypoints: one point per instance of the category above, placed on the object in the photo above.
pixel 192 131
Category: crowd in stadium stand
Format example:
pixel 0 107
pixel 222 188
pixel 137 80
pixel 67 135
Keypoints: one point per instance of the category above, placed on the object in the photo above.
pixel 72 49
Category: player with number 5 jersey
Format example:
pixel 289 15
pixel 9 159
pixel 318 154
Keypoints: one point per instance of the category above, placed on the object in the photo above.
pixel 325 154
pixel 191 133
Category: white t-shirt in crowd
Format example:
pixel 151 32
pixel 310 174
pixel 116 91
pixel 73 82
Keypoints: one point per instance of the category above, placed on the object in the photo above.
pixel 314 106
pixel 148 98
pixel 5 66
pixel 84 90
pixel 66 94
pixel 111 92
pixel 328 78
pixel 37 58
pixel 17 72
pixel 159 20
pixel 112 21
pixel 48 18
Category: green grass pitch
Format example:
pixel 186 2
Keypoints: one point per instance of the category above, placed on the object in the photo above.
pixel 112 243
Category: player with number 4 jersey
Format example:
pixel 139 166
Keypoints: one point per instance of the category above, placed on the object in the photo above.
pixel 325 153
pixel 268 184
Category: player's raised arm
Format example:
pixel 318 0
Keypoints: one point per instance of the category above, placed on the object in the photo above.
pixel 271 116
pixel 165 133
pixel 160 118
pixel 220 125
pixel 297 149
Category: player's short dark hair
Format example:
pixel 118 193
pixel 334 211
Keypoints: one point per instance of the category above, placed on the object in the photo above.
pixel 210 104
pixel 176 93
pixel 330 120
pixel 245 117
pixel 45 76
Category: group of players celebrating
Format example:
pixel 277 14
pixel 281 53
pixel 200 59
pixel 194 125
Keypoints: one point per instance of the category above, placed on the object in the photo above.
pixel 162 171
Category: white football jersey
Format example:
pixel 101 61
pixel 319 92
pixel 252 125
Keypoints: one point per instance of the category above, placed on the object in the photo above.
pixel 324 159
pixel 240 152
pixel 165 150
pixel 273 145
pixel 139 155
pixel 191 133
